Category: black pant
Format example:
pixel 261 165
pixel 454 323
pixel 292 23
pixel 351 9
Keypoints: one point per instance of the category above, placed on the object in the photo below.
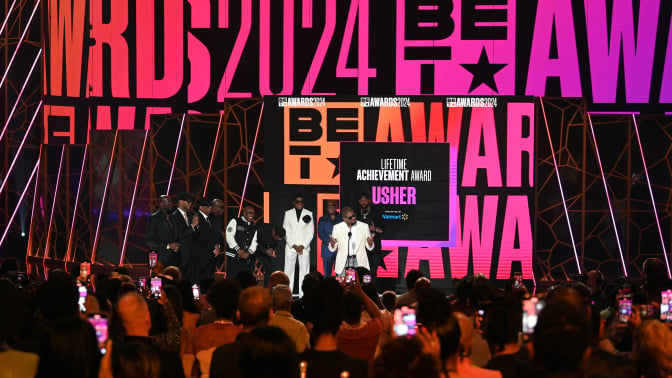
pixel 234 266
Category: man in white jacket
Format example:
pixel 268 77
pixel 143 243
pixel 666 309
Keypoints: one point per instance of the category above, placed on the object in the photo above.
pixel 299 225
pixel 350 240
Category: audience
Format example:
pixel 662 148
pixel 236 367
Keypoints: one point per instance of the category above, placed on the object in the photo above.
pixel 254 310
pixel 408 298
pixel 283 319
pixel 253 333
pixel 223 296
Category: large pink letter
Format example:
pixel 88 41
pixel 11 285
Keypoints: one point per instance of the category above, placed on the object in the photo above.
pixel 287 48
pixel 173 54
pixel 390 125
pixel 433 255
pixel 516 143
pixel 471 237
pixel 66 39
pixel 605 52
pixel 109 34
pixel 197 52
pixel 666 89
pixel 552 13
pixel 516 219
pixel 482 123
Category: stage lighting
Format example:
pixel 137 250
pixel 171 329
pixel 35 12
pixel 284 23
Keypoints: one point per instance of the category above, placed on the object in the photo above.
pixel 23 234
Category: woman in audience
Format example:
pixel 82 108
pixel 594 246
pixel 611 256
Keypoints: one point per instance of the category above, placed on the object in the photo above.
pixel 69 350
pixel 404 357
pixel 652 349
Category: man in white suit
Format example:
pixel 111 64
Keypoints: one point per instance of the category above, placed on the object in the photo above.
pixel 350 240
pixel 299 225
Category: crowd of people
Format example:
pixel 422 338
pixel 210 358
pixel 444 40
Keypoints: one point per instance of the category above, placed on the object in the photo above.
pixel 108 325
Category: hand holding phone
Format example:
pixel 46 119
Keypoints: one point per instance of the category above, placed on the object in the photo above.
pixel 155 288
pixel 624 310
pixel 404 321
pixel 665 297
pixel 83 293
pixel 366 279
pixel 153 257
pixel 196 291
pixel 531 309
pixel 99 323
pixel 350 276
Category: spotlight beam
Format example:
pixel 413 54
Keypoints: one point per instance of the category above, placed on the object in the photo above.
pixel 135 190
pixel 18 98
pixel 562 192
pixel 103 200
pixel 16 210
pixel 18 46
pixel 74 212
pixel 18 152
pixel 53 205
pixel 249 163
pixel 606 192
pixel 177 148
pixel 653 201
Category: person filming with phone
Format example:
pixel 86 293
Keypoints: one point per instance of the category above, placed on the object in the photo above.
pixel 350 240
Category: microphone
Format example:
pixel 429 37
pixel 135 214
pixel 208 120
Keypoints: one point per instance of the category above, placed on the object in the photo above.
pixel 349 234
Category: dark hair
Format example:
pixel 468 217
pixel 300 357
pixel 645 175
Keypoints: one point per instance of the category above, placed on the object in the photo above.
pixel 279 231
pixel 175 298
pixel 503 321
pixel 435 312
pixel 352 306
pixel 403 357
pixel 11 310
pixel 223 296
pixel 246 279
pixel 58 297
pixel 411 277
pixel 311 280
pixel 188 301
pixel 295 196
pixel 131 359
pixel 561 336
pixel 268 352
pixel 388 299
pixel 123 270
pixel 323 307
pixel 371 292
pixel 70 349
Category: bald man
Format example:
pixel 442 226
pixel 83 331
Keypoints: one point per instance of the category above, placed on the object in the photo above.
pixel 241 241
pixel 134 314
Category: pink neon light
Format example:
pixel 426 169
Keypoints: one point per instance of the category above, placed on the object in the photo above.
pixel 606 192
pixel 562 192
pixel 18 152
pixel 428 7
pixel 18 98
pixel 74 212
pixel 135 189
pixel 177 148
pixel 249 164
pixel 428 24
pixel 212 158
pixel 11 219
pixel 9 12
pixel 307 14
pixel 102 203
pixel 653 201
pixel 23 35
pixel 32 217
pixel 53 205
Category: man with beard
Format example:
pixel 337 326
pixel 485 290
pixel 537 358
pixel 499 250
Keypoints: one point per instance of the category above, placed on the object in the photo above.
pixel 373 218
pixel 186 224
pixel 241 241
pixel 162 235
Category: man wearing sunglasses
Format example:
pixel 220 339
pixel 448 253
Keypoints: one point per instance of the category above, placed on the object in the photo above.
pixel 350 240
pixel 299 225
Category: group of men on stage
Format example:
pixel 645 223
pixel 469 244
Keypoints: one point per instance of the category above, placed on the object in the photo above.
pixel 199 243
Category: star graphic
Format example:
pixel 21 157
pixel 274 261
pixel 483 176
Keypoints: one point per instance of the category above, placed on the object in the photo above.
pixel 337 166
pixel 404 216
pixel 483 72
pixel 384 253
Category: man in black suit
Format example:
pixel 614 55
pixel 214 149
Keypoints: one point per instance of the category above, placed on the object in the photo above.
pixel 270 249
pixel 185 223
pixel 206 242
pixel 162 234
